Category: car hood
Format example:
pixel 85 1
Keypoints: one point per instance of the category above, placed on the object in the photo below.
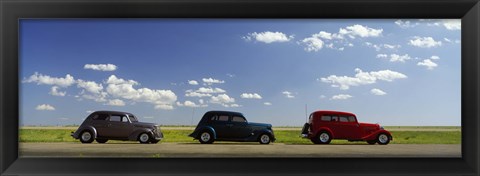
pixel 143 124
pixel 370 126
pixel 259 124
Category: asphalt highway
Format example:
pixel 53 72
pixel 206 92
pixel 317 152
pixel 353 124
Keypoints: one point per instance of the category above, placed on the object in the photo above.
pixel 194 149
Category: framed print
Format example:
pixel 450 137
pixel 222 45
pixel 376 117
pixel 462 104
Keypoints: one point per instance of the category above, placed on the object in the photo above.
pixel 223 87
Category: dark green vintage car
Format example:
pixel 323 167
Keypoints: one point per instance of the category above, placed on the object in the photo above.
pixel 231 126
pixel 114 125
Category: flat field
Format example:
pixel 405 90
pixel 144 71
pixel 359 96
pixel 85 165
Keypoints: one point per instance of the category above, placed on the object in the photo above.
pixel 285 135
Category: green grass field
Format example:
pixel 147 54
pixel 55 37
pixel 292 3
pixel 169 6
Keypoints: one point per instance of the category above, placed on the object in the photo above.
pixel 287 136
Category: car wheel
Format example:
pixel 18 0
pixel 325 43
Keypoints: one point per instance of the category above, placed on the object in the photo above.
pixel 86 137
pixel 371 142
pixel 144 138
pixel 101 140
pixel 206 137
pixel 264 139
pixel 324 137
pixel 383 139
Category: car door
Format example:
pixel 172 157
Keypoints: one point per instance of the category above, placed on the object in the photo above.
pixel 100 122
pixel 239 127
pixel 348 128
pixel 219 124
pixel 119 126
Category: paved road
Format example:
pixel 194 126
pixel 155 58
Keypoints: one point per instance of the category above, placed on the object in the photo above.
pixel 76 149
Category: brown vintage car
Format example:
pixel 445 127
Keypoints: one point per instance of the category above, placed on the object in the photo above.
pixel 114 125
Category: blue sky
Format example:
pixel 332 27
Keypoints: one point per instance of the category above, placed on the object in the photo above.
pixel 171 71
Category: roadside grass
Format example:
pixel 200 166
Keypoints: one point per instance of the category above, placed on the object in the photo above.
pixel 282 136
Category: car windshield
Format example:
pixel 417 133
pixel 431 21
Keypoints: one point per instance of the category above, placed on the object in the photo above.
pixel 132 118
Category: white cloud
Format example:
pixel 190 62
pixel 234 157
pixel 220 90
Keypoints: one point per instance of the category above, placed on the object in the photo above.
pixel 196 94
pixel 124 89
pixel 191 104
pixel 288 94
pixel 230 75
pixel 233 105
pixel 54 91
pixel 251 96
pixel 360 31
pixel 452 24
pixel 341 97
pixel 164 106
pixel 211 81
pixel 45 107
pixel 116 102
pixel 434 57
pixel 362 78
pixel 379 47
pixel 192 82
pixel 45 79
pixel 424 42
pixel 267 103
pixel 268 37
pixel 395 57
pixel 222 99
pixel 90 86
pixel 429 64
pixel 100 67
pixel 322 96
pixel 377 92
pixel 405 24
pixel 312 44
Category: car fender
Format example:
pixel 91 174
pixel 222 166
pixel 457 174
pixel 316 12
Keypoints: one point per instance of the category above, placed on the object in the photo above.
pixel 76 135
pixel 134 135
pixel 206 128
pixel 324 129
pixel 373 136
pixel 262 131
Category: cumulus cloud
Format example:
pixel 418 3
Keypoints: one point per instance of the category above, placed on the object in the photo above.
pixel 47 80
pixel 101 67
pixel 45 107
pixel 267 103
pixel 268 37
pixel 424 42
pixel 359 31
pixel 210 81
pixel 54 91
pixel 429 64
pixel 362 78
pixel 406 24
pixel 452 24
pixel 222 99
pixel 196 94
pixel 121 88
pixel 325 39
pixel 192 82
pixel 379 47
pixel 377 92
pixel 395 57
pixel 251 96
pixel 191 104
pixel 288 94
pixel 116 102
pixel 341 97
pixel 434 57
pixel 312 44
pixel 90 86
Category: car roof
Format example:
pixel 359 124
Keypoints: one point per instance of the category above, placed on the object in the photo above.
pixel 225 112
pixel 334 112
pixel 111 112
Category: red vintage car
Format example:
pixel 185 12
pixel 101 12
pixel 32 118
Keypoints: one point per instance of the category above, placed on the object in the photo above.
pixel 323 126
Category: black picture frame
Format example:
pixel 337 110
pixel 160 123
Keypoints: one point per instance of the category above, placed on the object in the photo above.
pixel 12 10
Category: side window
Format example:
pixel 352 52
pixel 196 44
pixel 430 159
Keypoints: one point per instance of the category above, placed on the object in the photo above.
pixel 223 118
pixel 238 119
pixel 334 118
pixel 124 119
pixel 351 119
pixel 115 118
pixel 214 118
pixel 100 117
pixel 343 119
pixel 326 118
